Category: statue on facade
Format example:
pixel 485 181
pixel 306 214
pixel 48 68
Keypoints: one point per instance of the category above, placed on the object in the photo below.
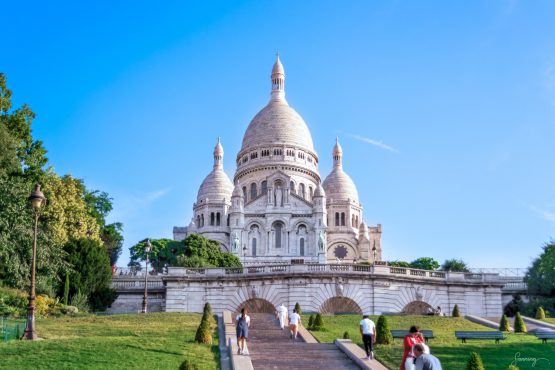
pixel 321 241
pixel 235 242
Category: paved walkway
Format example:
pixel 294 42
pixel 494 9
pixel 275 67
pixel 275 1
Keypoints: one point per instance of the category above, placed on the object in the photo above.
pixel 271 348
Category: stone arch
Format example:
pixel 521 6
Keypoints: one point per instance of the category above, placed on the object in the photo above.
pixel 257 305
pixel 417 308
pixel 340 305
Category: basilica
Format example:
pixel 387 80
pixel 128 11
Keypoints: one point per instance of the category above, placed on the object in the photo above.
pixel 277 209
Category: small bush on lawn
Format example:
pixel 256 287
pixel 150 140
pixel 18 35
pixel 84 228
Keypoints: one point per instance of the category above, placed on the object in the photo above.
pixel 13 303
pixel 310 321
pixel 43 305
pixel 346 335
pixel 474 362
pixel 520 327
pixel 383 334
pixel 504 324
pixel 203 333
pixel 298 308
pixel 209 318
pixel 456 311
pixel 318 324
pixel 187 365
pixel 540 313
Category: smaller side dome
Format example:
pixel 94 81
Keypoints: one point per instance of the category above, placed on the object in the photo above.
pixel 217 185
pixel 319 192
pixel 338 185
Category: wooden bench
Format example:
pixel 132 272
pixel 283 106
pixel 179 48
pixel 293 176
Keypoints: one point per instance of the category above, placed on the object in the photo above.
pixel 400 333
pixel 545 334
pixel 464 335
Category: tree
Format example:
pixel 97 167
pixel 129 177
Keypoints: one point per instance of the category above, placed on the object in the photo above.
pixel 164 252
pixel 540 313
pixel 520 327
pixel 398 264
pixel 318 323
pixel 66 290
pixel 474 362
pixel 454 265
pixel 540 277
pixel 203 334
pixel 456 311
pixel 298 308
pixel 425 263
pixel 202 252
pixel 310 321
pixel 383 334
pixel 504 324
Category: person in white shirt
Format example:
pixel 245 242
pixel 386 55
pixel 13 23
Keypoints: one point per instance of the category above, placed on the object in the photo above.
pixel 368 332
pixel 242 329
pixel 294 322
pixel 282 315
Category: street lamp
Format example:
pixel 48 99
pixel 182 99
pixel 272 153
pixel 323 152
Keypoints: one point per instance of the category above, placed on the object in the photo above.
pixel 148 248
pixel 36 199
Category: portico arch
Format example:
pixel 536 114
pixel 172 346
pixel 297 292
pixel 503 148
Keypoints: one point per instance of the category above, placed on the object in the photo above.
pixel 417 308
pixel 340 305
pixel 257 305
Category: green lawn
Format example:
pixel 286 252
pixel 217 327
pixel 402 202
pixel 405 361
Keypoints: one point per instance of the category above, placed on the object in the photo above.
pixel 452 353
pixel 151 341
pixel 550 320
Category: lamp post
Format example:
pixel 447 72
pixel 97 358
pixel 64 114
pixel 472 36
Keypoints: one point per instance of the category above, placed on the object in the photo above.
pixel 148 248
pixel 36 199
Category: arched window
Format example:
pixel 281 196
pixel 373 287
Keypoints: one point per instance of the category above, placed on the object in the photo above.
pixel 264 186
pixel 228 219
pixel 198 220
pixel 310 192
pixel 292 187
pixel 342 218
pixel 254 247
pixel 278 229
pixel 245 193
pixel 301 247
pixel 218 219
pixel 253 191
pixel 356 221
pixel 353 221
pixel 202 220
pixel 302 192
pixel 336 218
pixel 212 219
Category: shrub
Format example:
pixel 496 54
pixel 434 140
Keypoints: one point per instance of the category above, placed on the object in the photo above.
pixel 206 316
pixel 43 305
pixel 207 308
pixel 504 324
pixel 346 335
pixel 383 335
pixel 80 301
pixel 187 365
pixel 456 311
pixel 298 308
pixel 474 362
pixel 310 321
pixel 520 327
pixel 203 333
pixel 102 298
pixel 318 323
pixel 540 313
pixel 13 302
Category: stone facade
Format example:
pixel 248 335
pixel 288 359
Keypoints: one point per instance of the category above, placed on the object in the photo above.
pixel 277 209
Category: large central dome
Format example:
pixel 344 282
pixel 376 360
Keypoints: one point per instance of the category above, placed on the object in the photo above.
pixel 277 123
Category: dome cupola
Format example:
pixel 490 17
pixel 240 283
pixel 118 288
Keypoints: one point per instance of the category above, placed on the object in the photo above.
pixel 217 185
pixel 338 185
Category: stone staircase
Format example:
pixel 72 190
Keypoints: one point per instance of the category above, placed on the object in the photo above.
pixel 271 348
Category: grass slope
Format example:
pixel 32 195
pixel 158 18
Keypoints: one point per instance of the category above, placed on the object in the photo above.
pixel 151 341
pixel 452 353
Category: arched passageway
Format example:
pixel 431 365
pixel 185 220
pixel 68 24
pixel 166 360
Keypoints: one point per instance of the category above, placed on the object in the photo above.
pixel 417 308
pixel 340 305
pixel 257 305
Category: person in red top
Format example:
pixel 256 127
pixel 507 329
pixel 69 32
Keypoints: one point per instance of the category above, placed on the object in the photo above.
pixel 413 337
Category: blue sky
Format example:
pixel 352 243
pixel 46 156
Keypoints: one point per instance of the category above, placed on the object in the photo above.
pixel 445 110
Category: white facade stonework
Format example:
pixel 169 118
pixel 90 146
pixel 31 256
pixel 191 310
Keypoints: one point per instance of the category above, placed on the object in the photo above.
pixel 277 209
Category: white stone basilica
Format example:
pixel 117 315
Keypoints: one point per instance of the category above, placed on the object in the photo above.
pixel 277 210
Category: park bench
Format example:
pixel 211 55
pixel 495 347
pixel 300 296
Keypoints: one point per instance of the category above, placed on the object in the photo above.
pixel 545 334
pixel 400 333
pixel 464 335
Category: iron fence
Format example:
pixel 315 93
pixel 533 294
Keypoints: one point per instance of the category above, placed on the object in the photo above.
pixel 11 328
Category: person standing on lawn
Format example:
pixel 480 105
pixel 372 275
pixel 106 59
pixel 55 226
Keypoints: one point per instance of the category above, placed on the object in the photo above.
pixel 294 322
pixel 425 361
pixel 243 323
pixel 368 332
pixel 413 337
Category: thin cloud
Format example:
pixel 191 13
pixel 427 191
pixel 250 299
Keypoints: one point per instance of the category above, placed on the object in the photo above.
pixel 377 143
pixel 545 214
